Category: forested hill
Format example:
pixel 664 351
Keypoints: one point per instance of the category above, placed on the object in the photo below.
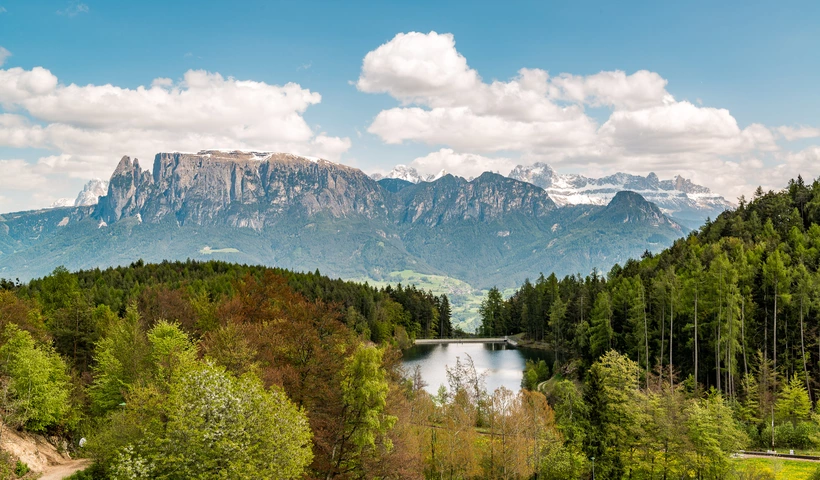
pixel 182 291
pixel 727 316
pixel 702 309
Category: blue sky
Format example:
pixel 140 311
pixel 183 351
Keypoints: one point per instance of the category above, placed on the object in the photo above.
pixel 756 60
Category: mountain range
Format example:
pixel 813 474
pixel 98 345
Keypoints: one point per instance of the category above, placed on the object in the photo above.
pixel 679 198
pixel 305 214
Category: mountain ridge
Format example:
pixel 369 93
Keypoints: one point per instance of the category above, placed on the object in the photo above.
pixel 303 214
pixel 678 197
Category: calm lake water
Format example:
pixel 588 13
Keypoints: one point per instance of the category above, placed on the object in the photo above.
pixel 504 364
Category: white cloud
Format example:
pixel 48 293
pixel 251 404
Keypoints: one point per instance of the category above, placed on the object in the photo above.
pixel 4 54
pixel 19 175
pixel 616 89
pixel 805 162
pixel 443 102
pixel 3 10
pixel 90 127
pixel 463 164
pixel 798 133
pixel 73 9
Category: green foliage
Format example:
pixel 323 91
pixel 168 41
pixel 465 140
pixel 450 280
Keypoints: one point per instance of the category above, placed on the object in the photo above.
pixel 713 432
pixel 121 358
pixel 534 373
pixel 21 468
pixel 211 424
pixel 38 382
pixel 793 403
pixel 364 391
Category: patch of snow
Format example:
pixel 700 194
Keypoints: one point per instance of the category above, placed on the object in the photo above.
pixel 102 224
pixel 63 222
pixel 62 202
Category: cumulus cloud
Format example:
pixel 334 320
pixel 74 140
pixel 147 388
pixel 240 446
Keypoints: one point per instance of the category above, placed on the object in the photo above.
pixel 464 164
pixel 798 133
pixel 443 102
pixel 90 127
pixel 642 89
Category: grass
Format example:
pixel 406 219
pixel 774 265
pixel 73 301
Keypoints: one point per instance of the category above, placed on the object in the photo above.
pixel 464 299
pixel 783 469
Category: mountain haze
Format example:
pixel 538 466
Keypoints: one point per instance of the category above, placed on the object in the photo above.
pixel 686 202
pixel 301 213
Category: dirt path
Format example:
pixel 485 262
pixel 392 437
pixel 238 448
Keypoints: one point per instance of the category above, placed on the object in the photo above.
pixel 59 472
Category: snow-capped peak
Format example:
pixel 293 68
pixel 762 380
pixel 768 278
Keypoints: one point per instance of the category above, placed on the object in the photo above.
pixel 89 195
pixel 410 174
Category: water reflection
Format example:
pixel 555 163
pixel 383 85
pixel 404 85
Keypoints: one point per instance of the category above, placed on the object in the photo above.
pixel 504 365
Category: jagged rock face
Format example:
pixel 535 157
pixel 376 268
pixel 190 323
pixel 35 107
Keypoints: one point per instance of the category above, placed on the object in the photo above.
pixel 91 193
pixel 243 189
pixel 488 197
pixel 539 174
pixel 128 190
pixel 630 207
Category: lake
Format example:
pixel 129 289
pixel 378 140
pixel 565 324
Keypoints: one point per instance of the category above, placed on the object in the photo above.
pixel 504 364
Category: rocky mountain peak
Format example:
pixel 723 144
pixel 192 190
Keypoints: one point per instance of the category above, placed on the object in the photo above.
pixel 539 174
pixel 631 207
pixel 245 189
pixel 91 193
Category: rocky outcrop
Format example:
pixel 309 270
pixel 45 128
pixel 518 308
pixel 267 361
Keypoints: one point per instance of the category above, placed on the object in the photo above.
pixel 243 189
pixel 488 197
pixel 631 208
pixel 128 190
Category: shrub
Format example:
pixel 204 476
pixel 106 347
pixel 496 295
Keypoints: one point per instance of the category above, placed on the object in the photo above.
pixel 21 469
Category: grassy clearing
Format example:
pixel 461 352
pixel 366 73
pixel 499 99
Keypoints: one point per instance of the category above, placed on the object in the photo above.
pixel 464 299
pixel 782 469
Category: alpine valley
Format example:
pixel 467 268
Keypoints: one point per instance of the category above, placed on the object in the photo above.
pixel 305 214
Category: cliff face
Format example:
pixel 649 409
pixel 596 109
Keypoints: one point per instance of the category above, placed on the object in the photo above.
pixel 248 189
pixel 486 198
pixel 238 189
pixel 128 191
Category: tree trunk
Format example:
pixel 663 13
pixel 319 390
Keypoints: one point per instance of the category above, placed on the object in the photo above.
pixel 743 333
pixel 696 337
pixel 803 349
pixel 671 334
pixel 646 339
pixel 774 335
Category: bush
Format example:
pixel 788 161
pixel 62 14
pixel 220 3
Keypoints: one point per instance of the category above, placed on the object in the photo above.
pixel 802 435
pixel 784 435
pixel 21 469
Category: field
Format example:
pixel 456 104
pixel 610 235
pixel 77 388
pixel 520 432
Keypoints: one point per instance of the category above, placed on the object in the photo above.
pixel 782 469
pixel 464 299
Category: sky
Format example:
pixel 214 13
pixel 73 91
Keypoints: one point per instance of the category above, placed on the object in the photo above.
pixel 723 93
